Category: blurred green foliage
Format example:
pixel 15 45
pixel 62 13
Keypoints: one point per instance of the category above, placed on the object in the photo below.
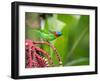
pixel 73 45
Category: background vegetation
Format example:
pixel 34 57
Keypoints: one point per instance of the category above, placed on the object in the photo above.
pixel 73 45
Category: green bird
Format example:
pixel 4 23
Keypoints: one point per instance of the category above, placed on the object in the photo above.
pixel 52 36
pixel 43 34
pixel 49 36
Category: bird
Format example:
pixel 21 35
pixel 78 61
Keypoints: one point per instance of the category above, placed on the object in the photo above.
pixel 48 35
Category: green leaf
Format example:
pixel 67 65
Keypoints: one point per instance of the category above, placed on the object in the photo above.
pixel 80 45
pixel 80 61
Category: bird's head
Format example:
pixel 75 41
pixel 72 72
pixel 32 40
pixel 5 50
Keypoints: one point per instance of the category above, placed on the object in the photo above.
pixel 57 33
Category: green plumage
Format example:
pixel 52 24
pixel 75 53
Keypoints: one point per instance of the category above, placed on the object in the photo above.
pixel 45 35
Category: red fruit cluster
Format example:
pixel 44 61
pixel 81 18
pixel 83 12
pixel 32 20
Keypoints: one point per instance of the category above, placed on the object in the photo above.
pixel 34 59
